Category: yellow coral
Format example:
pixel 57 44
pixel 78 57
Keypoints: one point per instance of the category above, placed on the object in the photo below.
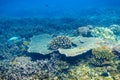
pixel 103 52
pixel 101 56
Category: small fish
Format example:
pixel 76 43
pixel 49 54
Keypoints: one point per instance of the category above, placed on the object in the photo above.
pixel 14 39
pixel 46 5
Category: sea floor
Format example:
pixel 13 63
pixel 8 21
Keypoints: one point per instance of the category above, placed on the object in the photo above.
pixel 69 49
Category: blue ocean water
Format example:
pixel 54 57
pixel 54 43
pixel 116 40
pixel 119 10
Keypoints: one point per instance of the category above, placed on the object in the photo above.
pixel 49 8
pixel 59 39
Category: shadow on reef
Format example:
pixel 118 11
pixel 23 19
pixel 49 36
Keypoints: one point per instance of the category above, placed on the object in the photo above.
pixel 1 57
pixel 71 60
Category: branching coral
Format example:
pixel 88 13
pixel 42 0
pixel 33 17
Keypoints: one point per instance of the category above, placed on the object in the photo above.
pixel 60 42
pixel 23 68
pixel 101 56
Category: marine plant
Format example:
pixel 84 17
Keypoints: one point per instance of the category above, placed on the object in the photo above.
pixel 101 56
pixel 60 42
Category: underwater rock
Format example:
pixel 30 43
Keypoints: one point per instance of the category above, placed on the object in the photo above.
pixel 60 42
pixel 84 31
pixel 104 33
pixel 39 44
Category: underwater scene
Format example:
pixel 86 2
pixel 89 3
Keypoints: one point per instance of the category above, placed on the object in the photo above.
pixel 59 39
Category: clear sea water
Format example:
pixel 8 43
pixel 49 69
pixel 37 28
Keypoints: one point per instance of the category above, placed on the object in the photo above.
pixel 36 37
pixel 47 8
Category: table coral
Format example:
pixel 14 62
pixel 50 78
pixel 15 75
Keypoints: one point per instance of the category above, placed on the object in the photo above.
pixel 39 44
pixel 84 45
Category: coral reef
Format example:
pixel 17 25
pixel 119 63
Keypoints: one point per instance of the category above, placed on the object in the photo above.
pixel 84 45
pixel 84 31
pixel 60 42
pixel 116 50
pixel 26 69
pixel 39 44
pixel 17 64
pixel 115 28
pixel 103 33
pixel 84 72
pixel 11 50
pixel 101 56
pixel 70 46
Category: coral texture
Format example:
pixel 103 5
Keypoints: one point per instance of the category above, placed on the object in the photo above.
pixel 101 56
pixel 115 28
pixel 60 42
pixel 84 31
pixel 84 45
pixel 39 44
pixel 103 33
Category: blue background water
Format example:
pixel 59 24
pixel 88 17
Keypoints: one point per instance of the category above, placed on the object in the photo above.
pixel 52 8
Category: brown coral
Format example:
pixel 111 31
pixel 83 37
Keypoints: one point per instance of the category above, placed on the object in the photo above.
pixel 60 42
pixel 101 56
pixel 103 52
